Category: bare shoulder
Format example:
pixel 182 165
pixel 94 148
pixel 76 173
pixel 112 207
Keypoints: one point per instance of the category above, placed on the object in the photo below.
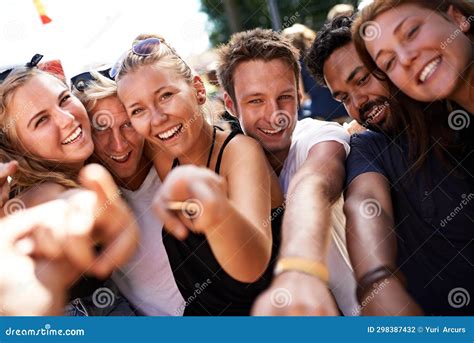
pixel 242 144
pixel 41 193
pixel 243 154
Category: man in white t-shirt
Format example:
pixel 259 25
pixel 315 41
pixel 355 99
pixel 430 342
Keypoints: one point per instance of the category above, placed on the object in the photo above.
pixel 146 280
pixel 259 71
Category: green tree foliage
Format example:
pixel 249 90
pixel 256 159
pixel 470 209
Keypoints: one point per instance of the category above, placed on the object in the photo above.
pixel 254 13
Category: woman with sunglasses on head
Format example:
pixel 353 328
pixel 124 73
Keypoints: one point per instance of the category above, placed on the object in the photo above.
pixel 217 205
pixel 45 129
pixel 146 280
pixel 425 47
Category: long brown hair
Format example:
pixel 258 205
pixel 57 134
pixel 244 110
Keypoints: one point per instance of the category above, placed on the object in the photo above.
pixel 32 169
pixel 420 123
pixel 425 122
pixel 378 7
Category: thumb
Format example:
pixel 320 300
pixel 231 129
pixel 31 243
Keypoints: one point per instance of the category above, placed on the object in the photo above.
pixel 98 179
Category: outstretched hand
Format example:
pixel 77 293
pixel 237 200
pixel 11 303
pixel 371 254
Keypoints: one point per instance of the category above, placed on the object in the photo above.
pixel 191 199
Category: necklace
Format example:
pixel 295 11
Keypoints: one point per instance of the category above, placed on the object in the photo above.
pixel 214 129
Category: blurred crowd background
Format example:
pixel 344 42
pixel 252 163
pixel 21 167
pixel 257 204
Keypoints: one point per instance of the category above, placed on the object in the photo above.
pixel 85 33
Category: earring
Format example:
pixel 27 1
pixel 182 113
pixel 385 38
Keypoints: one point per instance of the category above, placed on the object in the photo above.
pixel 201 97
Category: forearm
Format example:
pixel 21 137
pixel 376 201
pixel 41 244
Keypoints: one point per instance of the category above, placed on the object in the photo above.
pixel 371 241
pixel 307 220
pixel 240 247
pixel 389 298
pixel 372 244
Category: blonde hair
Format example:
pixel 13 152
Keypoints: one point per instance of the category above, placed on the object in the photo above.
pixel 165 55
pixel 32 169
pixel 300 36
pixel 168 58
pixel 100 88
pixel 340 9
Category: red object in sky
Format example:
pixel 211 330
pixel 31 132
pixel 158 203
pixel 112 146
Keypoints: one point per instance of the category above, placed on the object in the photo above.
pixel 41 11
pixel 45 19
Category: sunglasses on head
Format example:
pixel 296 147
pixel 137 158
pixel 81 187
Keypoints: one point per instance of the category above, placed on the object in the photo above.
pixel 81 81
pixel 144 47
pixel 32 64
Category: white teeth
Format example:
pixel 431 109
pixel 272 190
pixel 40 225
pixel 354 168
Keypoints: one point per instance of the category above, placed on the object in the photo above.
pixel 271 132
pixel 429 69
pixel 73 136
pixel 376 111
pixel 171 132
pixel 120 158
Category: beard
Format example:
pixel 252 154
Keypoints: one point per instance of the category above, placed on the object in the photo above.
pixel 387 124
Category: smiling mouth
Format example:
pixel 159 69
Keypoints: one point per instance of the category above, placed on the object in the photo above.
pixel 170 133
pixel 271 132
pixel 121 158
pixel 73 137
pixel 375 115
pixel 429 69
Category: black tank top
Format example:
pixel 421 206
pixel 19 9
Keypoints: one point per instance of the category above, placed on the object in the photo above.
pixel 206 288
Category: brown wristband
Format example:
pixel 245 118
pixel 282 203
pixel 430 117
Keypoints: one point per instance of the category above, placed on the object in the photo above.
pixel 373 277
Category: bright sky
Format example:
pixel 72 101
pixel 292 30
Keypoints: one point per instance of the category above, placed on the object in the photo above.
pixel 96 31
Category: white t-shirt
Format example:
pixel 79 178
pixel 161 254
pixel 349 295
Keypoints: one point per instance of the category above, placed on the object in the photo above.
pixel 147 280
pixel 309 132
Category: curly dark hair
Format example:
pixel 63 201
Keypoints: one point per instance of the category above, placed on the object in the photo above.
pixel 332 36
